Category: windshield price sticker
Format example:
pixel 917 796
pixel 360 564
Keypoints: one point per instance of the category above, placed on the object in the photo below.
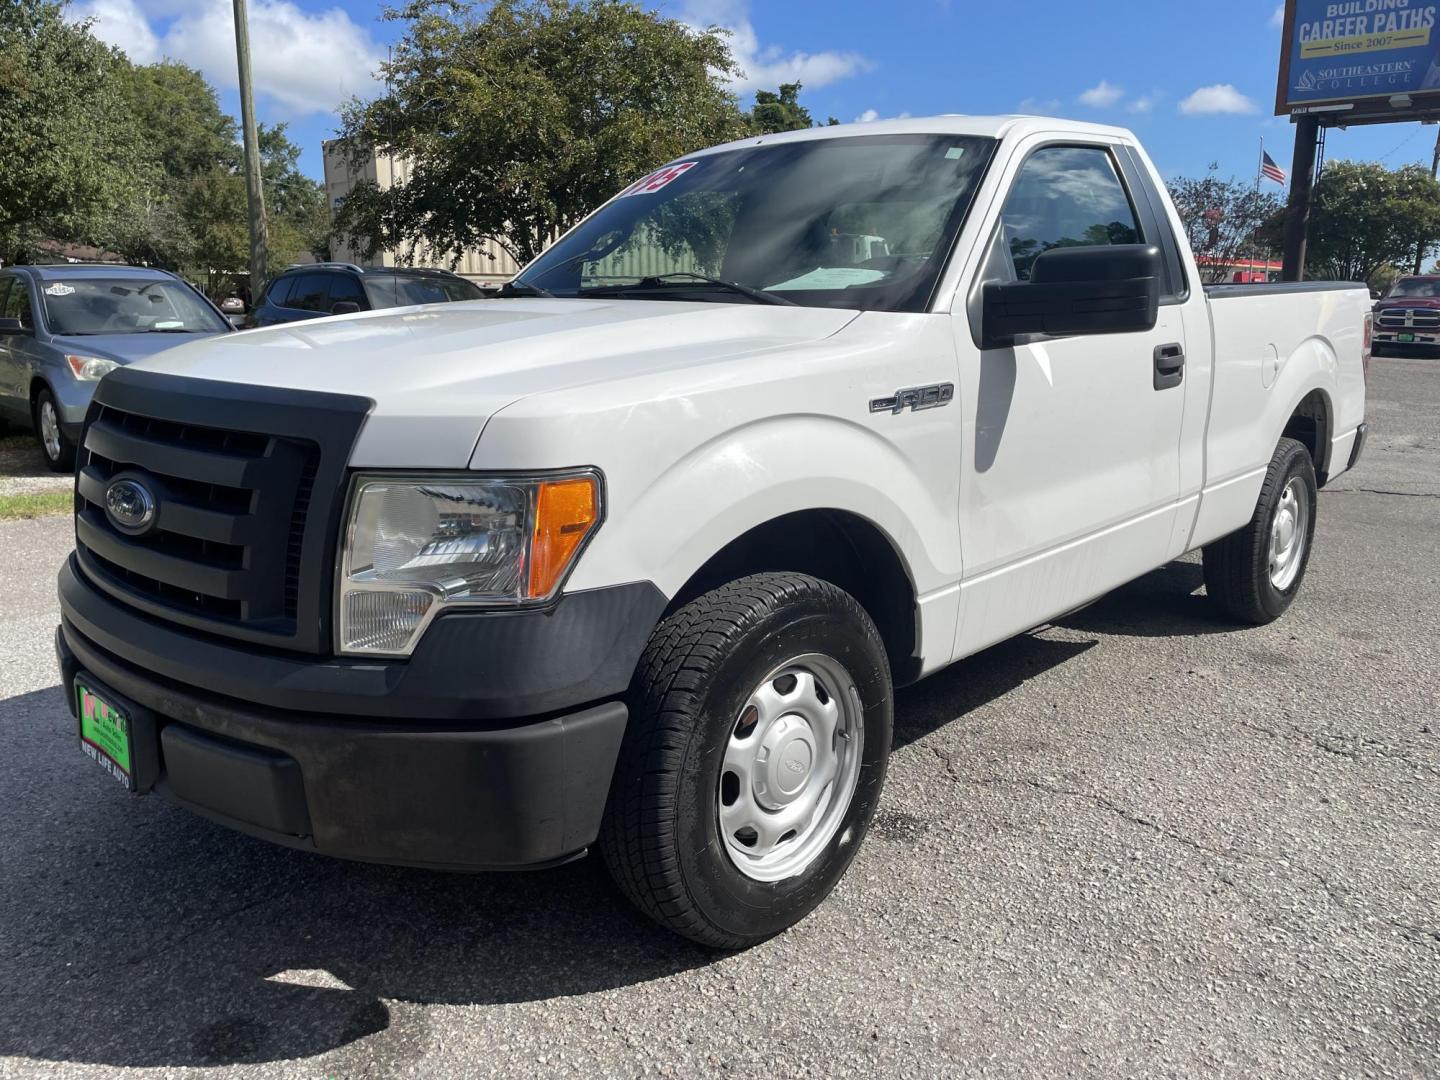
pixel 648 185
pixel 59 290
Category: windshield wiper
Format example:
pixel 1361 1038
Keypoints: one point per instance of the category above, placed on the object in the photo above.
pixel 171 330
pixel 660 281
pixel 522 288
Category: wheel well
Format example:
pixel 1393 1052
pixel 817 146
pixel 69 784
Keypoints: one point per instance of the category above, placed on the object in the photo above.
pixel 1309 425
pixel 835 546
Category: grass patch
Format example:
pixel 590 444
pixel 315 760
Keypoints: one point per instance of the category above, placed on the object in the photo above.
pixel 16 442
pixel 36 504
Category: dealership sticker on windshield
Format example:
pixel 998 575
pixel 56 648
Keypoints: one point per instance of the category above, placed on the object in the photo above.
pixel 648 185
pixel 59 289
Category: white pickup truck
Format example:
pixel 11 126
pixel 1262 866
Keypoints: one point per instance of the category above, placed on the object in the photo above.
pixel 635 555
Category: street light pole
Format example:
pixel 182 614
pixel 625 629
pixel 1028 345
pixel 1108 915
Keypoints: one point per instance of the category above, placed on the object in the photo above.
pixel 254 192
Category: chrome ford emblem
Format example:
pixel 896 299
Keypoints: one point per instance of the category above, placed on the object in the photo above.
pixel 129 506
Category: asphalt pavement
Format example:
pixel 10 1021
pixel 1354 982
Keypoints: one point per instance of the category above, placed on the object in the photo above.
pixel 1139 843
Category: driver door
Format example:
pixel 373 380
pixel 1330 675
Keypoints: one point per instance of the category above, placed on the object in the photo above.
pixel 1072 472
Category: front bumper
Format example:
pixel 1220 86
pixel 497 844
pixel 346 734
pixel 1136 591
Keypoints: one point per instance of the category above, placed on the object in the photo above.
pixel 461 788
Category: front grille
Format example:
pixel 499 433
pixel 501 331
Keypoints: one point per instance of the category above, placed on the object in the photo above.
pixel 1404 318
pixel 229 514
pixel 247 484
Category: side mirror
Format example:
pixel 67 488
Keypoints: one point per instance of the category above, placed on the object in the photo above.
pixel 344 307
pixel 237 322
pixel 13 326
pixel 1376 294
pixel 1076 290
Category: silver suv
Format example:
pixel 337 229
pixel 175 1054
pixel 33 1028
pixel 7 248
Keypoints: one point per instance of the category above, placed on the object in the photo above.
pixel 63 327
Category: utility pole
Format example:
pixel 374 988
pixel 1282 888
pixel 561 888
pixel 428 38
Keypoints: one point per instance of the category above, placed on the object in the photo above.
pixel 1302 192
pixel 254 191
pixel 1435 173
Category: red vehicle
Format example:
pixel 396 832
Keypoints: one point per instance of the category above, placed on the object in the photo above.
pixel 1407 318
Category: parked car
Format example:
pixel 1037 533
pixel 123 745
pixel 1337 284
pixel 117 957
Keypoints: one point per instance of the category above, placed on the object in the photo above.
pixel 63 327
pixel 318 289
pixel 637 558
pixel 1407 318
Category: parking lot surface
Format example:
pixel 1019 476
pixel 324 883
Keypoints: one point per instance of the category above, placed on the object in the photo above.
pixel 1138 843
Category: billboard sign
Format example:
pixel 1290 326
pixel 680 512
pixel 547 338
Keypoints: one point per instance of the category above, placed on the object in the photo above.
pixel 1338 52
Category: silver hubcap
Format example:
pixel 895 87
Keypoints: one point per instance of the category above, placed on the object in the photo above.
pixel 50 430
pixel 1288 532
pixel 790 769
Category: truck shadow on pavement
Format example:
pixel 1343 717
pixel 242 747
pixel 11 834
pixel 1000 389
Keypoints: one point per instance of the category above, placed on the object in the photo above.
pixel 132 933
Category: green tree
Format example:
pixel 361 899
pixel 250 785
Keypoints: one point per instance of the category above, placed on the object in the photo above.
pixel 1366 218
pixel 180 114
pixel 517 118
pixel 1225 221
pixel 71 154
pixel 779 110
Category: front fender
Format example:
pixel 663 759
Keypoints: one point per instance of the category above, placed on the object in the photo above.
pixel 724 487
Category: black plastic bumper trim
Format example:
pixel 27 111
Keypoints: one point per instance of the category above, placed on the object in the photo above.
pixel 468 665
pixel 446 797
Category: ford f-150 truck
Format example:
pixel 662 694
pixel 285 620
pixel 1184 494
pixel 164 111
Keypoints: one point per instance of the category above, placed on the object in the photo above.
pixel 635 555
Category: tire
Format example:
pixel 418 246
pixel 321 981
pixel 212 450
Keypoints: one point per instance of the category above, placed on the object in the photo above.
pixel 1240 576
pixel 59 451
pixel 663 840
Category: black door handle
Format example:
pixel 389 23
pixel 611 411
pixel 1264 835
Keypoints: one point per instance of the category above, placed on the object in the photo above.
pixel 1169 366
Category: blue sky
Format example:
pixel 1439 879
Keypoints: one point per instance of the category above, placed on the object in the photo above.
pixel 1196 82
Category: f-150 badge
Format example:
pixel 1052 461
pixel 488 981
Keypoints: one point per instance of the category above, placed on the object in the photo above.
pixel 916 397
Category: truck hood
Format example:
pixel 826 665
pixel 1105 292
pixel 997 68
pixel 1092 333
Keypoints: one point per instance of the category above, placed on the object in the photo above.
pixel 437 373
pixel 1419 303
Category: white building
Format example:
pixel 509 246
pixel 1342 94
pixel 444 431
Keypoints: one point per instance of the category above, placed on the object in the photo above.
pixel 489 262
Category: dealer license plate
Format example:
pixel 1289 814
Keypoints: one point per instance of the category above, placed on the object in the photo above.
pixel 105 735
pixel 1404 337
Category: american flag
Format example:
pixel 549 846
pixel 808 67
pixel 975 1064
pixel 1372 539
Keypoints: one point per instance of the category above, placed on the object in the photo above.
pixel 1269 169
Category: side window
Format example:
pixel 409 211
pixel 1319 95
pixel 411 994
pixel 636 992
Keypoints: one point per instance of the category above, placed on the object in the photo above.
pixel 1065 196
pixel 279 291
pixel 345 287
pixel 309 292
pixel 16 304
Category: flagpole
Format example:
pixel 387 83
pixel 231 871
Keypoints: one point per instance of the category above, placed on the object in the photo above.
pixel 1259 175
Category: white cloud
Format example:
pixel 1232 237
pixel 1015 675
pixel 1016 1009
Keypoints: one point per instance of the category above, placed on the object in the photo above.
pixel 121 23
pixel 767 66
pixel 1220 98
pixel 1277 17
pixel 1143 105
pixel 870 115
pixel 1039 106
pixel 1102 96
pixel 308 62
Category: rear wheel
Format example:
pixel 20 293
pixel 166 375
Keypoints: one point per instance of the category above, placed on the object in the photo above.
pixel 1254 574
pixel 58 449
pixel 759 735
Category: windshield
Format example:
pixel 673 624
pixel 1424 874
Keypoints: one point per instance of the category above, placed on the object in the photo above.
pixel 1417 288
pixel 400 290
pixel 863 222
pixel 126 306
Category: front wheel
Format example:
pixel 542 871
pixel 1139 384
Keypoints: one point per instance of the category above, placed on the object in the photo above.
pixel 1255 573
pixel 760 729
pixel 58 449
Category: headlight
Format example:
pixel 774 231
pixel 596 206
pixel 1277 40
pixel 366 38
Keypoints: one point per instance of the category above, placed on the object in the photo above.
pixel 415 545
pixel 90 368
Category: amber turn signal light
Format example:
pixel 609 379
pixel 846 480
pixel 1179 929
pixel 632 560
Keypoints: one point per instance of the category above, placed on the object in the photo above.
pixel 565 513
